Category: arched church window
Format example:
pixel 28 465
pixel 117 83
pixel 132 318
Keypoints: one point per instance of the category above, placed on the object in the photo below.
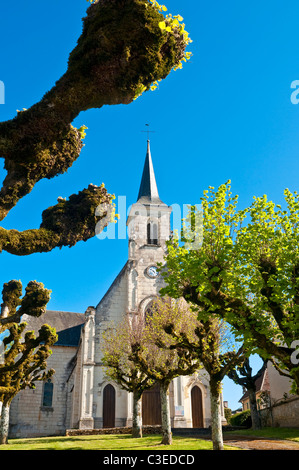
pixel 48 394
pixel 152 233
pixel 148 313
pixel 149 310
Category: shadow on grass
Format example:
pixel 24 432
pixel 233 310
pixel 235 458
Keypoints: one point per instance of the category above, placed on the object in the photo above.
pixel 122 442
pixel 94 442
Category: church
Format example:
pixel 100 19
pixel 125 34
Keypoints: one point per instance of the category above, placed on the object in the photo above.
pixel 79 395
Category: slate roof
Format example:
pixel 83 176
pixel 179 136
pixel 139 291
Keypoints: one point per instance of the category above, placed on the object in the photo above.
pixel 260 384
pixel 70 336
pixel 67 324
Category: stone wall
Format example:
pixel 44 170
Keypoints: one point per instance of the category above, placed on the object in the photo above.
pixel 74 392
pixel 28 418
pixel 284 413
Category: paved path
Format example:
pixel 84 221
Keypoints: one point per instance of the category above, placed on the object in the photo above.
pixel 254 443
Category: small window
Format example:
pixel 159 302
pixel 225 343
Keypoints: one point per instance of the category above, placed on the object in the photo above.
pixel 48 394
pixel 149 311
pixel 152 233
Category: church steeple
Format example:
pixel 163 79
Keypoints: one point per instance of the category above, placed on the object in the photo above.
pixel 148 191
pixel 149 218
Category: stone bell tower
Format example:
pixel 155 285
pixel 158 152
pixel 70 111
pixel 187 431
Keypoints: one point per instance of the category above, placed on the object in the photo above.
pixel 149 229
pixel 131 293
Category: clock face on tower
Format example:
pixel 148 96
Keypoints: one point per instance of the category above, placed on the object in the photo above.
pixel 152 271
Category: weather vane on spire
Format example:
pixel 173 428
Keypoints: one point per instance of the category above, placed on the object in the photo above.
pixel 148 131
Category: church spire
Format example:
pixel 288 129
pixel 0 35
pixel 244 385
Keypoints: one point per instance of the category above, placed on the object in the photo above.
pixel 148 192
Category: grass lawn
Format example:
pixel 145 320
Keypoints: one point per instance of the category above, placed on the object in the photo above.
pixel 271 433
pixel 108 442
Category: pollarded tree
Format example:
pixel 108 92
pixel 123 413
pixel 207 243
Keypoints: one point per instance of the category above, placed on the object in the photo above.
pixel 157 357
pixel 247 275
pixel 14 306
pixel 24 355
pixel 126 46
pixel 210 344
pixel 242 375
pixel 117 342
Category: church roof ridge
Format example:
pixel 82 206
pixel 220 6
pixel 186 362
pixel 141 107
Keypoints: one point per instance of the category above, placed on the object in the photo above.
pixel 120 274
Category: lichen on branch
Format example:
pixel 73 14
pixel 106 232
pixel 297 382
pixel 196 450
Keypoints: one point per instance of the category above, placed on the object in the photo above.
pixel 33 303
pixel 25 353
pixel 64 224
pixel 123 50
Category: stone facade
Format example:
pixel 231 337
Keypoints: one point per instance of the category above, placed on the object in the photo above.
pixel 28 416
pixel 80 385
pixel 281 407
pixel 284 413
pixel 276 404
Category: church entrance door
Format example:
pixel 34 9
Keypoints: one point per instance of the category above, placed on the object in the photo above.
pixel 151 406
pixel 196 404
pixel 109 407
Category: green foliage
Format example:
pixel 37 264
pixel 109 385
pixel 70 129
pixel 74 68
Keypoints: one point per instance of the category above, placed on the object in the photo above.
pixel 228 415
pixel 241 419
pixel 248 274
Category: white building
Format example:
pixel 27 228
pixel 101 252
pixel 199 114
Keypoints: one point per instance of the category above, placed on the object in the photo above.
pixel 79 395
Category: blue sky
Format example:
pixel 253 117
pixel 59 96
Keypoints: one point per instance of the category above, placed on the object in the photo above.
pixel 226 115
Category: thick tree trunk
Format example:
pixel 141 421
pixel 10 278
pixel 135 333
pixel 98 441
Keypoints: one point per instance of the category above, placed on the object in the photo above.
pixel 255 417
pixel 217 436
pixel 137 415
pixel 4 423
pixel 165 415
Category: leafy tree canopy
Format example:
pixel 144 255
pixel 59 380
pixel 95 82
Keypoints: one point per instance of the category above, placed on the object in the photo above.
pixel 246 270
